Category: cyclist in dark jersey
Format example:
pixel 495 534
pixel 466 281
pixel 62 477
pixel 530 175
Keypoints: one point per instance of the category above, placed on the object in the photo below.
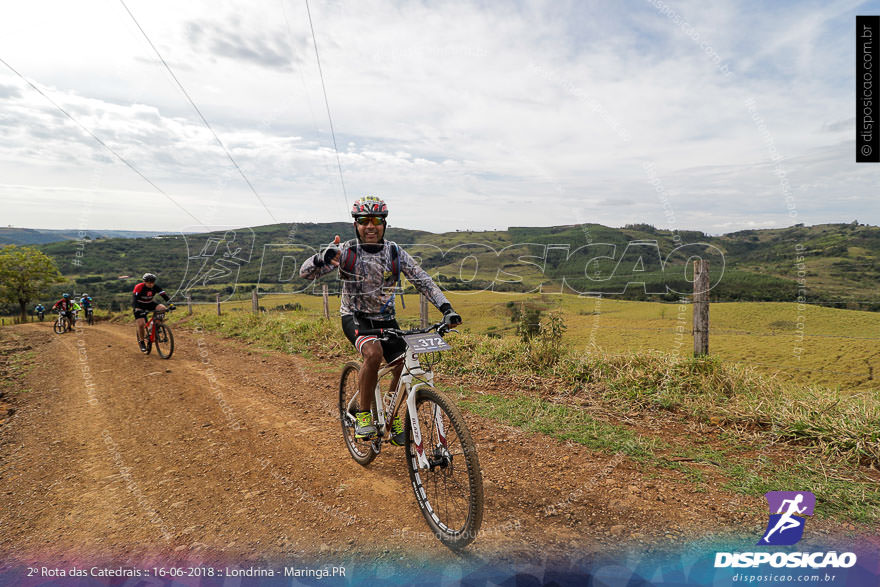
pixel 86 302
pixel 142 301
pixel 370 269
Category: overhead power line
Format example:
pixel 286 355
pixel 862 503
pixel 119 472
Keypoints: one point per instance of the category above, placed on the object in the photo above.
pixel 199 112
pixel 327 104
pixel 302 78
pixel 102 143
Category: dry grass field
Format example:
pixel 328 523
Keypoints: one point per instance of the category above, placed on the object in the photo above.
pixel 838 347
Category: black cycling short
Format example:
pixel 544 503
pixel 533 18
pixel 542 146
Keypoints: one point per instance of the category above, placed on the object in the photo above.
pixel 391 349
pixel 141 310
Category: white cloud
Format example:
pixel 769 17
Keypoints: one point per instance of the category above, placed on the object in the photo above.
pixel 461 115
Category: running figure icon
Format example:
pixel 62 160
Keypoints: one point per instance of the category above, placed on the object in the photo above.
pixel 786 522
pixel 787 516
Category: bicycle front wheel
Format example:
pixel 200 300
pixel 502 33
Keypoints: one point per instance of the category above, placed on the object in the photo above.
pixel 58 326
pixel 450 492
pixel 361 450
pixel 164 341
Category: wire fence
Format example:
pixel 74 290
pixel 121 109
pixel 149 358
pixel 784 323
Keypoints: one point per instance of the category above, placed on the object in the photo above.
pixel 311 306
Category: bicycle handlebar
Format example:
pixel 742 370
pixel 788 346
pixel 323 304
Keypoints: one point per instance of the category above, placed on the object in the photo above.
pixel 167 309
pixel 440 327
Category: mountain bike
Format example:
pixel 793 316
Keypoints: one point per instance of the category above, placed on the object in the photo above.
pixel 440 454
pixel 159 334
pixel 40 315
pixel 62 323
pixel 90 316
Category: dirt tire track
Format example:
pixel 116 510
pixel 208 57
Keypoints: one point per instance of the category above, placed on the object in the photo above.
pixel 228 452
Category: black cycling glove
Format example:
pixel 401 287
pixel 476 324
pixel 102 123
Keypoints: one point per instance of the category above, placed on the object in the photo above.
pixel 328 255
pixel 450 318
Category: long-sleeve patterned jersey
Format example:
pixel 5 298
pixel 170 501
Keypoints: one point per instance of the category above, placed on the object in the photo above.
pixel 368 289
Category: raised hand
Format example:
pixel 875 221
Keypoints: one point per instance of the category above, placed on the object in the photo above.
pixel 332 252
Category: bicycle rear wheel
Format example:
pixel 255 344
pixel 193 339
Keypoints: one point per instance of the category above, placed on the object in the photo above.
pixel 361 450
pixel 450 493
pixel 164 341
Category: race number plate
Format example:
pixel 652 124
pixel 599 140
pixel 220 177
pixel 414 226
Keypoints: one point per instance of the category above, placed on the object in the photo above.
pixel 426 343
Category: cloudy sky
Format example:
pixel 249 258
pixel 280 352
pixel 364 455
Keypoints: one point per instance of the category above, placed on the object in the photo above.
pixel 715 116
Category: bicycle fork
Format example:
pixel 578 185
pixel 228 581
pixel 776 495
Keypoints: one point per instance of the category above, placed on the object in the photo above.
pixel 424 463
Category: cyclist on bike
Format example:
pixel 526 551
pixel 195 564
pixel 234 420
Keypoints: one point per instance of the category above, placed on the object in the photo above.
pixel 86 302
pixel 370 270
pixel 76 310
pixel 65 308
pixel 142 302
pixel 39 310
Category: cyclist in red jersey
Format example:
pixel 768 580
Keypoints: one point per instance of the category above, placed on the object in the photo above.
pixel 65 307
pixel 143 301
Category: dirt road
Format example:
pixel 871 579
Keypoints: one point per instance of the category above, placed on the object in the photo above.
pixel 228 451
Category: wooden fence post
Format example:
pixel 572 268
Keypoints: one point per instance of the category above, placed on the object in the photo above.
pixel 326 300
pixel 189 304
pixel 423 310
pixel 218 304
pixel 701 307
pixel 255 301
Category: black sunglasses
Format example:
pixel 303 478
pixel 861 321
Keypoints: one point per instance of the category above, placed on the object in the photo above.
pixel 374 220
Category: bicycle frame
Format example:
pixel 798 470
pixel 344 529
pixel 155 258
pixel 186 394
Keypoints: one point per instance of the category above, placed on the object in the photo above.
pixel 405 388
pixel 151 326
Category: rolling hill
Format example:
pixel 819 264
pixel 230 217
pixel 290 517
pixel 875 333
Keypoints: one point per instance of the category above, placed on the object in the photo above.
pixel 835 264
pixel 11 235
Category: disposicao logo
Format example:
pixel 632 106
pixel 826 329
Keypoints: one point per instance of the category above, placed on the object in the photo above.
pixel 788 511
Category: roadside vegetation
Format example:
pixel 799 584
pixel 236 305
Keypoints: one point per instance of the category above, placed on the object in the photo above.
pixel 838 349
pixel 759 433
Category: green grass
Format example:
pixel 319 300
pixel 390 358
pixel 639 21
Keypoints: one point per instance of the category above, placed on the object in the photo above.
pixel 278 332
pixel 841 492
pixel 19 364
pixel 839 347
pixel 829 432
pixel 560 422
pixel 829 422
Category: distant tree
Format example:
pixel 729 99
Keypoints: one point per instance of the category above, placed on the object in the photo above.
pixel 25 272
